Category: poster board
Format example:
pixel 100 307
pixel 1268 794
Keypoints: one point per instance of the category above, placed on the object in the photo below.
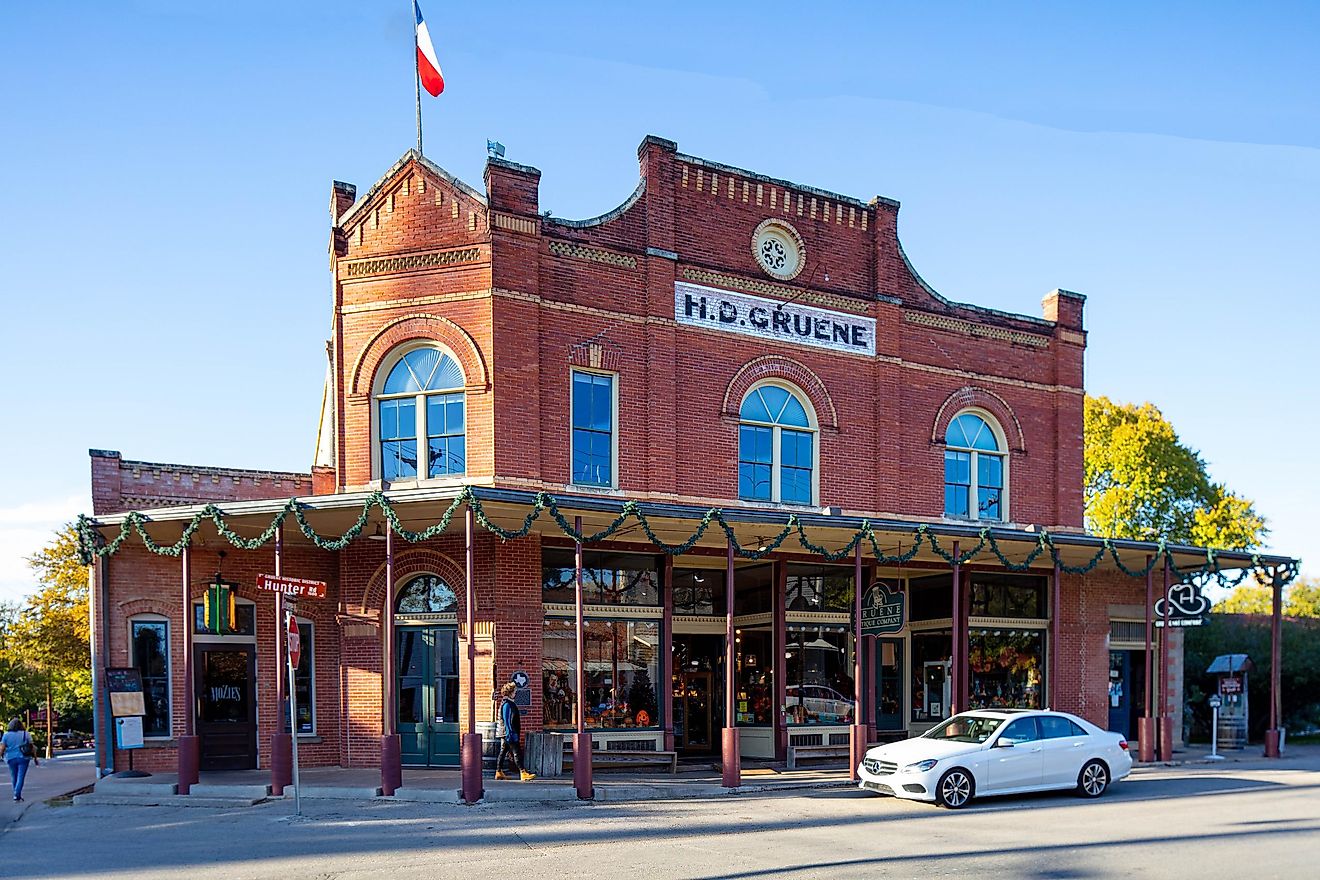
pixel 128 732
pixel 124 684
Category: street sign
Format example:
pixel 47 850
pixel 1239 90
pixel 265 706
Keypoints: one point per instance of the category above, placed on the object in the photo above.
pixel 1214 701
pixel 295 642
pixel 295 587
pixel 882 609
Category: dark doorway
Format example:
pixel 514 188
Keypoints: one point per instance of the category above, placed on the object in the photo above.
pixel 1127 690
pixel 888 685
pixel 226 684
pixel 698 693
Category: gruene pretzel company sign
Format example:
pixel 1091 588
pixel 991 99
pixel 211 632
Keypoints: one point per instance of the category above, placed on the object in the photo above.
pixel 791 322
pixel 298 588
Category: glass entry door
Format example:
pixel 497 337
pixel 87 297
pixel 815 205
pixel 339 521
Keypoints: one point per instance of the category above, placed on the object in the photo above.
pixel 226 687
pixel 427 658
pixel 693 721
pixel 888 684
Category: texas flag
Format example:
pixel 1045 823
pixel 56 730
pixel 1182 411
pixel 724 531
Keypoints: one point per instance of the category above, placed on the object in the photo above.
pixel 428 66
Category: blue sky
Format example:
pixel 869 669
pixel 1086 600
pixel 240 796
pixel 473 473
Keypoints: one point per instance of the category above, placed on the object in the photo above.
pixel 166 167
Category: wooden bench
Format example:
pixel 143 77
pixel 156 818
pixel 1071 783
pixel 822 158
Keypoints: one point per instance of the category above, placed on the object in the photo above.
pixel 797 753
pixel 622 758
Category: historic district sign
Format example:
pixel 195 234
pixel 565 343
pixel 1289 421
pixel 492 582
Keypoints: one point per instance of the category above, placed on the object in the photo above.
pixel 882 610
pixel 1186 606
pixel 771 319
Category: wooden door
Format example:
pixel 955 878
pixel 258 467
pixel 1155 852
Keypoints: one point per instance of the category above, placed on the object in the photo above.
pixel 226 688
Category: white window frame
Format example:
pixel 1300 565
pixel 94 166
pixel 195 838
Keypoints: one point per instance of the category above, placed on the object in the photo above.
pixel 776 453
pixel 614 429
pixel 169 665
pixel 973 504
pixel 378 384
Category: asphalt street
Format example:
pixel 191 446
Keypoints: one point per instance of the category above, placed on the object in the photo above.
pixel 1252 819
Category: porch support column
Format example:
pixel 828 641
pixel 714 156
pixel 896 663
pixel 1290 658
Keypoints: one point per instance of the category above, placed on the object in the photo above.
pixel 778 648
pixel 281 743
pixel 1166 715
pixel 189 748
pixel 1146 726
pixel 1276 668
pixel 391 761
pixel 470 746
pixel 957 639
pixel 581 740
pixel 859 730
pixel 730 742
pixel 667 650
pixel 1056 610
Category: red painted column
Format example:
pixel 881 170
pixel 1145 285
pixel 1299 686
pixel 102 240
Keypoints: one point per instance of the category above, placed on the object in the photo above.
pixel 1276 669
pixel 581 740
pixel 391 760
pixel 1146 726
pixel 470 744
pixel 1056 612
pixel 858 732
pixel 730 742
pixel 957 636
pixel 1166 716
pixel 281 743
pixel 778 645
pixel 667 649
pixel 188 744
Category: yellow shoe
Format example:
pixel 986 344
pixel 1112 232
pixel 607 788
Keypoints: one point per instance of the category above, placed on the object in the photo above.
pixel 499 774
pixel 528 777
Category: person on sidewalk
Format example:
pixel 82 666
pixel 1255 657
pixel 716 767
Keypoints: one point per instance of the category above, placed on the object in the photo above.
pixel 508 728
pixel 17 750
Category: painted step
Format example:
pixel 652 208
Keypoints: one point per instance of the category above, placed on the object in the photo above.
pixel 210 790
pixel 427 795
pixel 340 792
pixel 174 800
pixel 133 788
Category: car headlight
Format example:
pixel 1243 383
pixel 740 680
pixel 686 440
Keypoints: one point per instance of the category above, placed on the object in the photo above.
pixel 920 766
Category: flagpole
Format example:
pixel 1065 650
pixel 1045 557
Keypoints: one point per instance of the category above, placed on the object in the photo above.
pixel 417 79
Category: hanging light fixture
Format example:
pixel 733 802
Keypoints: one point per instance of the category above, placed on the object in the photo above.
pixel 377 535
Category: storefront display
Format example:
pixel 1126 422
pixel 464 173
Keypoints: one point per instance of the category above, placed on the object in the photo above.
pixel 1007 668
pixel 755 701
pixel 819 675
pixel 622 668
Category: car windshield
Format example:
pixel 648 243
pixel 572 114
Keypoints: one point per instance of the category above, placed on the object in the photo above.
pixel 965 728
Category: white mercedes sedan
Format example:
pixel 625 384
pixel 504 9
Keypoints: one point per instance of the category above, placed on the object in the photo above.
pixel 998 751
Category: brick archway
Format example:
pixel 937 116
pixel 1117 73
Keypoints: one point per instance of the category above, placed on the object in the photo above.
pixel 414 327
pixel 418 560
pixel 779 367
pixel 970 397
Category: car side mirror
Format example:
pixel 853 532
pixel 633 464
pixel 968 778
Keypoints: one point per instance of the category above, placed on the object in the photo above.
pixel 1004 744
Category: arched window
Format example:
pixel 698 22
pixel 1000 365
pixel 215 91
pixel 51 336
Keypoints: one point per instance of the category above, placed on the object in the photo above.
pixel 420 406
pixel 973 469
pixel 776 447
pixel 426 594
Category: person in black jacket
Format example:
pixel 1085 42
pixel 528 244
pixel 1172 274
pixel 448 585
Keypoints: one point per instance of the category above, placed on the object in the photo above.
pixel 509 730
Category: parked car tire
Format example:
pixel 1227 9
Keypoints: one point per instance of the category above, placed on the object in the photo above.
pixel 1093 780
pixel 956 788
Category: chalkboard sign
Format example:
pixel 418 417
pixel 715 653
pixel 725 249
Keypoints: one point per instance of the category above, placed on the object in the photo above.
pixel 124 684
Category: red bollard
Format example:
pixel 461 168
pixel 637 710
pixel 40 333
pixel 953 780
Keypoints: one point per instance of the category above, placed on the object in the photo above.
pixel 391 765
pixel 730 743
pixel 470 760
pixel 1146 740
pixel 858 750
pixel 582 766
pixel 189 761
pixel 281 762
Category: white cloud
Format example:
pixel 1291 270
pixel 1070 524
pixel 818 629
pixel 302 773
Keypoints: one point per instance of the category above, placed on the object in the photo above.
pixel 25 529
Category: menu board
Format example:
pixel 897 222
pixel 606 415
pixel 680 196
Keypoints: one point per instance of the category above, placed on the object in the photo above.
pixel 124 684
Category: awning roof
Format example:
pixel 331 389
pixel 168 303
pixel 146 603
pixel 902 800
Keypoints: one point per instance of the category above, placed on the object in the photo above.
pixel 331 516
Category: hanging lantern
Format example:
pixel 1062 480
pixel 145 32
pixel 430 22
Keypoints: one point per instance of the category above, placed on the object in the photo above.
pixel 218 607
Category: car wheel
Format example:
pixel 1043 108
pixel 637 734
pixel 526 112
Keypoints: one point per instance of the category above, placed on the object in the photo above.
pixel 955 789
pixel 1093 781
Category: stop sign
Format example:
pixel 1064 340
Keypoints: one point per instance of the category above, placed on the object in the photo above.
pixel 295 642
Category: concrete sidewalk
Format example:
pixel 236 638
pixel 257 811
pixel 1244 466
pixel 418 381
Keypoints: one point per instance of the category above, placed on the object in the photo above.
pixel 66 772
pixel 1199 753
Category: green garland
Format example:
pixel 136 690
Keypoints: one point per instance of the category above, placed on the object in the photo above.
pixel 92 545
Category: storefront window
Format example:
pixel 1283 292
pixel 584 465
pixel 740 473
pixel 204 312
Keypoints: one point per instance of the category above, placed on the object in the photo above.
pixel 931 598
pixel 1007 668
pixel 819 671
pixel 1008 596
pixel 607 578
pixel 752 589
pixel 755 700
pixel 931 665
pixel 699 591
pixel 819 588
pixel 623 666
pixel 304 678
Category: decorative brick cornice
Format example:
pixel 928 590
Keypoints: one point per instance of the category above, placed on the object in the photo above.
pixel 595 356
pixel 512 223
pixel 596 255
pixel 354 269
pixel 777 291
pixel 969 328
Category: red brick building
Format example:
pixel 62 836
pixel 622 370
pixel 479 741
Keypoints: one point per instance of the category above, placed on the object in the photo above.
pixel 721 340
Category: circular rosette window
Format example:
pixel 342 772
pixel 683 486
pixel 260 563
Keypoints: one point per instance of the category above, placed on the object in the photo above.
pixel 779 249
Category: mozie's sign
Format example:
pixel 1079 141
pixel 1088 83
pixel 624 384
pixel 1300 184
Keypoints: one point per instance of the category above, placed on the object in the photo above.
pixel 796 323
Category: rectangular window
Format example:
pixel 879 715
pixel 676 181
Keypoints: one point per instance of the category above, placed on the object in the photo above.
pixel 698 591
pixel 989 486
pixel 819 588
pixel 931 667
pixel 243 624
pixel 755 460
pixel 819 672
pixel 957 483
pixel 593 429
pixel 622 668
pixel 446 442
pixel 304 678
pixel 795 467
pixel 1020 596
pixel 398 438
pixel 755 701
pixel 931 598
pixel 1007 668
pixel 607 578
pixel 151 655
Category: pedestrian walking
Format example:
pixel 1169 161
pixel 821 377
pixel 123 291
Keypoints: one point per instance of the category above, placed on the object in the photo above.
pixel 509 729
pixel 17 750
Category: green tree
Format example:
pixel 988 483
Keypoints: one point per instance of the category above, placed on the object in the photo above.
pixel 1301 598
pixel 1143 483
pixel 48 640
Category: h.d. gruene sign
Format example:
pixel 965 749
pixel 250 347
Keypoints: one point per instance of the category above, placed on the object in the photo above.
pixel 795 323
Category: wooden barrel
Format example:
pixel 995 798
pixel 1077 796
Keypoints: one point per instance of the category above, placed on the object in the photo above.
pixel 1232 733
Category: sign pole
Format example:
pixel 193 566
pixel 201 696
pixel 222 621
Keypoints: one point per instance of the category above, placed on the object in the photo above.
pixel 1214 728
pixel 292 626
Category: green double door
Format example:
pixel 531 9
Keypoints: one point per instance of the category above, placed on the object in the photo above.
pixel 427 659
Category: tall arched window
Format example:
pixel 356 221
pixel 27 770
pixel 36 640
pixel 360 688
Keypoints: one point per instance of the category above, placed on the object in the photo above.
pixel 776 447
pixel 420 406
pixel 426 594
pixel 973 469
